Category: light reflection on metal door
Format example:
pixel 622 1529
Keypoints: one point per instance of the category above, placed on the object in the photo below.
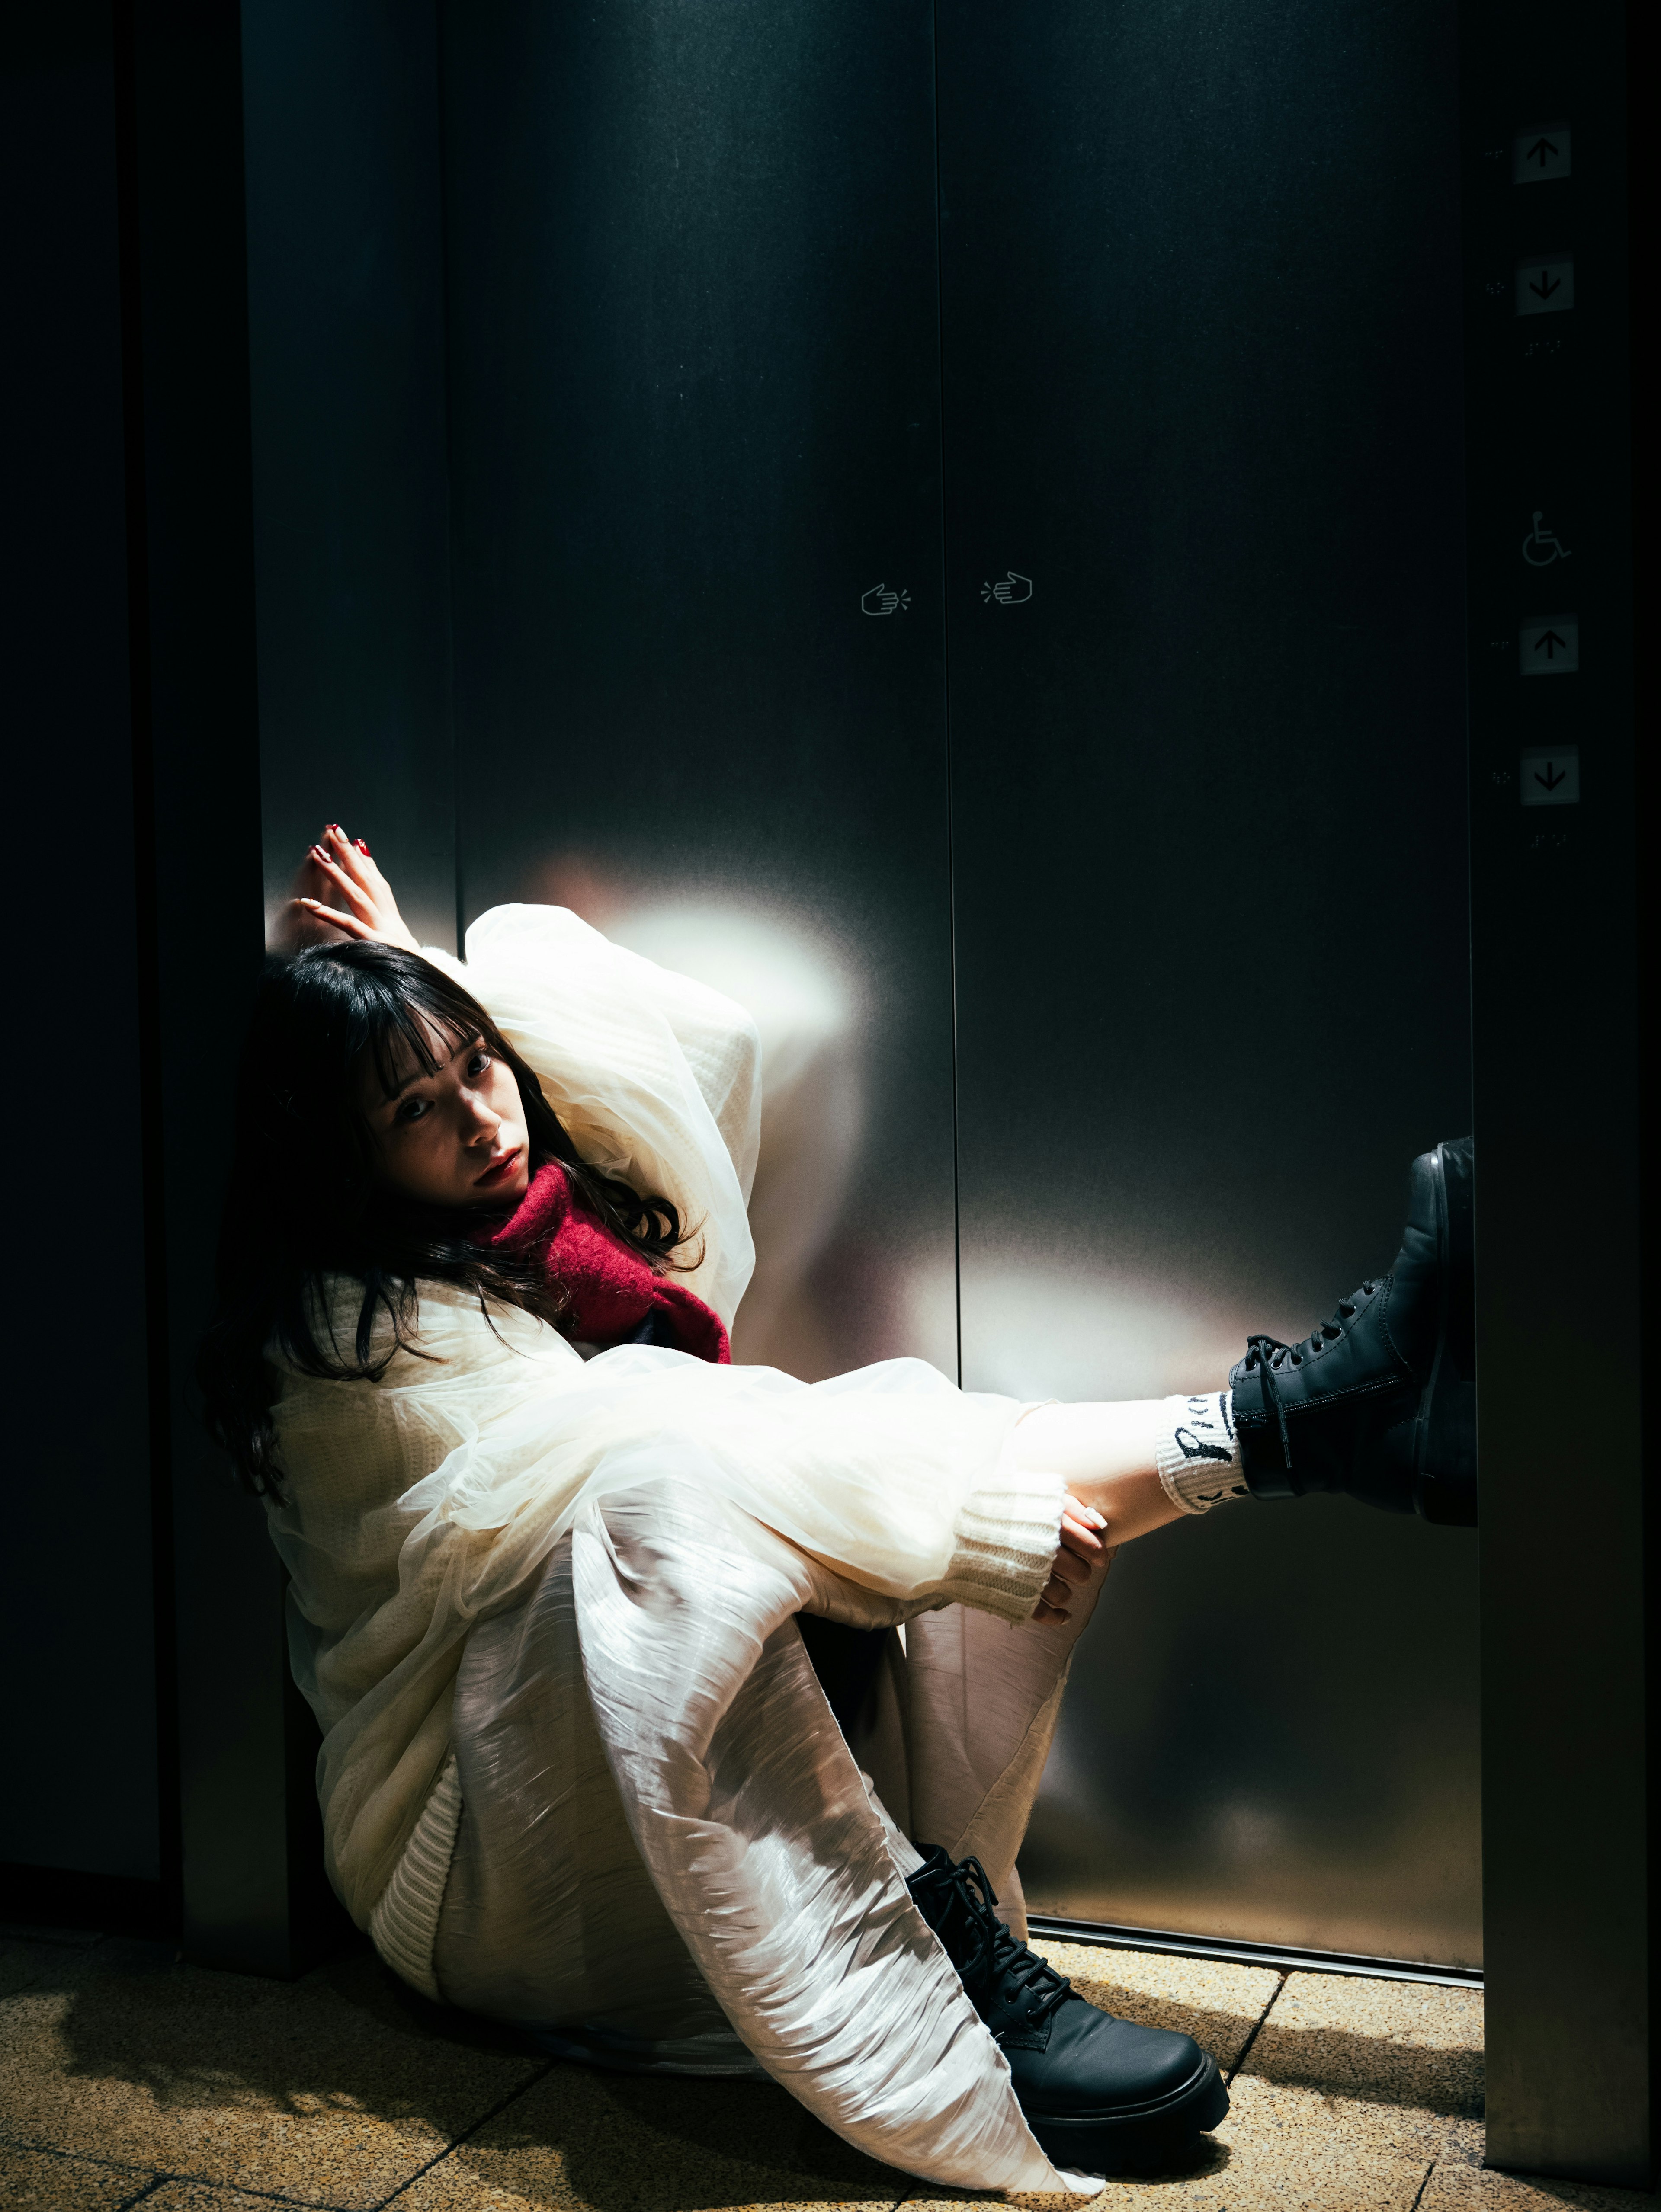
pixel 1201 363
pixel 695 451
pixel 1201 329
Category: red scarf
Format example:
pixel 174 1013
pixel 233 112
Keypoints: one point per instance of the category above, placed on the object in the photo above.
pixel 608 1290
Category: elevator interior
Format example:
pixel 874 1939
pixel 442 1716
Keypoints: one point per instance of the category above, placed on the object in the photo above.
pixel 928 547
pixel 951 523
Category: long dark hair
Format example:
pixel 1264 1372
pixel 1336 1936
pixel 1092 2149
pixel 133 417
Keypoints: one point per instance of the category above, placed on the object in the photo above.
pixel 304 1201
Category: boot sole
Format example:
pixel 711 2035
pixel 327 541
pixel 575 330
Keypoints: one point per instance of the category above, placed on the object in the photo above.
pixel 1445 1488
pixel 1146 2139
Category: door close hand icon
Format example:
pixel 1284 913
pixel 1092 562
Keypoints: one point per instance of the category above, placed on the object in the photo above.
pixel 880 600
pixel 1013 592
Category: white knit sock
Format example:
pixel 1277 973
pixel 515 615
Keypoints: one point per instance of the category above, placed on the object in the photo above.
pixel 1196 1453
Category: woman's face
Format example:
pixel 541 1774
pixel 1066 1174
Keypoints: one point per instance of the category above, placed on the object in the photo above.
pixel 455 1137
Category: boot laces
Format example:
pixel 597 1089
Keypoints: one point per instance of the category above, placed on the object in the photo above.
pixel 1276 1359
pixel 1004 1979
pixel 1269 1353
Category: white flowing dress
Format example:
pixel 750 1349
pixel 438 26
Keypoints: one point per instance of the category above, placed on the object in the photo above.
pixel 577 1771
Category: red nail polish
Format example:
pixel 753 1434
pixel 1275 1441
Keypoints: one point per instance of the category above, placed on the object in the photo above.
pixel 363 848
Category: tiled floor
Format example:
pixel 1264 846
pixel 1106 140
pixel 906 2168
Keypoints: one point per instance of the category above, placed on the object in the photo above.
pixel 127 2078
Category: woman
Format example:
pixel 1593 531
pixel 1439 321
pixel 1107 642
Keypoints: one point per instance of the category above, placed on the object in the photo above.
pixel 550 1549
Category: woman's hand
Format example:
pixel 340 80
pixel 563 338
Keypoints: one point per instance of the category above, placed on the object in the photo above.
pixel 339 888
pixel 1080 1557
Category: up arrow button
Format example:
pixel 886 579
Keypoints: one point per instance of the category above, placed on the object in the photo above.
pixel 1539 156
pixel 1549 645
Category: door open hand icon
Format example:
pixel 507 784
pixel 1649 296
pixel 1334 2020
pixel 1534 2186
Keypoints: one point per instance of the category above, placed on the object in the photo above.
pixel 1012 592
pixel 880 600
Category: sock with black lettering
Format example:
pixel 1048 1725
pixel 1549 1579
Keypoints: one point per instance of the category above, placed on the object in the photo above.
pixel 1196 1453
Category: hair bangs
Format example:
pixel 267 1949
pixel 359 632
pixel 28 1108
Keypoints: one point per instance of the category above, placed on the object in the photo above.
pixel 415 1031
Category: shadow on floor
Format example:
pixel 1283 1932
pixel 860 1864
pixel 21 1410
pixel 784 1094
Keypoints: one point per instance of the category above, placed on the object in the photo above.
pixel 350 2037
pixel 1373 2071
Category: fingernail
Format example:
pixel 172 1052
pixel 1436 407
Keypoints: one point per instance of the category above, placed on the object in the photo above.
pixel 363 847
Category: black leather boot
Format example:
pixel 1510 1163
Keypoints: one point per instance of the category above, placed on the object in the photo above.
pixel 1102 2095
pixel 1380 1401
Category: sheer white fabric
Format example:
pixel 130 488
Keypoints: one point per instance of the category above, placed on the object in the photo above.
pixel 565 1591
pixel 654 1075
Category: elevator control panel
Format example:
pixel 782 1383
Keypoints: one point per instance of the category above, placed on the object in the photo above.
pixel 1561 831
pixel 1549 585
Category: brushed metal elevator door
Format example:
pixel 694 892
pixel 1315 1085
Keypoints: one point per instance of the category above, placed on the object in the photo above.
pixel 695 450
pixel 1205 600
pixel 1191 798
pixel 1198 329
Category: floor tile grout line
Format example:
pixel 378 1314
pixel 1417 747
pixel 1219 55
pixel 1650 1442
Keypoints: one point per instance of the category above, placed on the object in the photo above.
pixel 87 2158
pixel 473 2129
pixel 155 2176
pixel 1245 2048
pixel 150 2189
pixel 159 2175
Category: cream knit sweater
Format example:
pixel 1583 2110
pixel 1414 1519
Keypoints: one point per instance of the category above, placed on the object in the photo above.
pixel 419 1506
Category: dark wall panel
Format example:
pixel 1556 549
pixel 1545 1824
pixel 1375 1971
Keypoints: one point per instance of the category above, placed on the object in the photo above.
pixel 1562 781
pixel 1201 403
pixel 78 1625
pixel 696 448
pixel 243 1870
pixel 346 328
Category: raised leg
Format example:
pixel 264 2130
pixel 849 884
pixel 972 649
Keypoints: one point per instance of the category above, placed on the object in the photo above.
pixel 1103 1450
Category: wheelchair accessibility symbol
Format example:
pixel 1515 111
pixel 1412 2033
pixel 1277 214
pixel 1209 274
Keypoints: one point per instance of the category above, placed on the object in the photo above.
pixel 1542 547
